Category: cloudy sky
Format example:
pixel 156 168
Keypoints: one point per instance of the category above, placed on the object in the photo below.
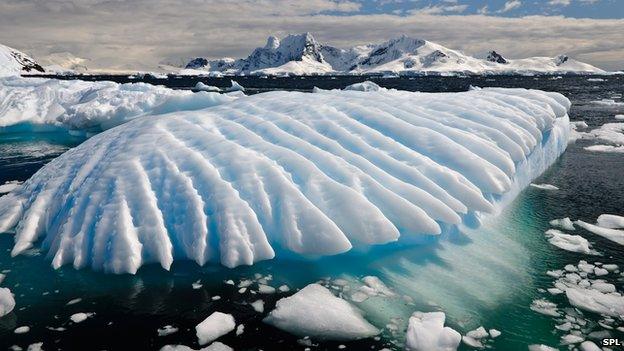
pixel 141 34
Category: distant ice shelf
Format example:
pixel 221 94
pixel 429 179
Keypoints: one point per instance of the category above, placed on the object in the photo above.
pixel 286 173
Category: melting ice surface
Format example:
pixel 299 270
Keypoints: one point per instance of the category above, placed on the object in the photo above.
pixel 286 173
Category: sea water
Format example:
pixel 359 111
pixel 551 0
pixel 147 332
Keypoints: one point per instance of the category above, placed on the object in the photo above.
pixel 485 276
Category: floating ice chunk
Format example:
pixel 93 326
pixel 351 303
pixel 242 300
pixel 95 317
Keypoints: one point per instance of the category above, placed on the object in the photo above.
pixel 234 86
pixel 610 221
pixel 213 327
pixel 472 342
pixel 541 347
pixel 605 148
pixel 544 186
pixel 21 330
pixel 215 346
pixel 494 333
pixel 545 307
pixel 92 106
pixel 571 339
pixel 589 346
pixel 610 267
pixel 603 287
pixel 9 186
pixel 611 304
pixel 200 86
pixel 614 235
pixel 167 330
pixel 608 102
pixel 579 124
pixel 364 86
pixel 80 317
pixel 240 329
pixel 314 311
pixel 426 332
pixel 265 289
pixel 283 288
pixel 408 164
pixel 7 302
pixel 564 223
pixel 73 301
pixel 573 243
pixel 619 117
pixel 478 333
pixel 197 285
pixel 258 306
pixel 611 134
pixel 377 286
pixel 38 346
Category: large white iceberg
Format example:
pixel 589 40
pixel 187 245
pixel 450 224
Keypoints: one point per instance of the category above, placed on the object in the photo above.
pixel 287 172
pixel 92 106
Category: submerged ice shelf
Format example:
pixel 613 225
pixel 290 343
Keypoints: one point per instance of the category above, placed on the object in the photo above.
pixel 287 173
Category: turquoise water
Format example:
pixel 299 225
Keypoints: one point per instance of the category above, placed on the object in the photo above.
pixel 486 276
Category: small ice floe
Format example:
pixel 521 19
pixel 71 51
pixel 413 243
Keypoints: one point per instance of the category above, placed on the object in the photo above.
pixel 197 285
pixel 544 186
pixel 595 80
pixel 589 346
pixel 619 117
pixel 364 86
pixel 265 289
pixel 215 298
pixel 494 333
pixel 572 243
pixel 609 135
pixel 614 235
pixel 200 86
pixel 563 223
pixel 215 346
pixel 7 302
pixel 608 304
pixel 258 306
pixel 314 311
pixel 545 307
pixel 73 302
pixel 57 329
pixel 234 86
pixel 426 332
pixel 38 346
pixel 474 337
pixel 21 330
pixel 610 221
pixel 80 317
pixel 608 102
pixel 571 339
pixel 283 288
pixel 373 286
pixel 214 326
pixel 167 330
pixel 9 186
pixel 579 124
pixel 541 347
pixel 240 329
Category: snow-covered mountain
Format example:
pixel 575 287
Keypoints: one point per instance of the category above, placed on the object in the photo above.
pixel 13 62
pixel 63 62
pixel 302 54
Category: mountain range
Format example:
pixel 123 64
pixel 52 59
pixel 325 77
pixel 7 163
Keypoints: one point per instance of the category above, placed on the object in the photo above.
pixel 302 54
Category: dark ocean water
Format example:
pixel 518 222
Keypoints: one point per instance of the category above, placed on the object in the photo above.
pixel 488 278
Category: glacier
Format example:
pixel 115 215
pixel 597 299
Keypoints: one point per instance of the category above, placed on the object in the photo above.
pixel 286 173
pixel 91 106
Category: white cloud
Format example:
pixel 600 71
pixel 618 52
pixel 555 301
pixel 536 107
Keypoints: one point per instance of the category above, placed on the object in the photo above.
pixel 483 11
pixel 437 10
pixel 559 2
pixel 113 35
pixel 510 5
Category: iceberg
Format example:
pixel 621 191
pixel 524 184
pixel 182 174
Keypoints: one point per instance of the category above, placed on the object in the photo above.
pixel 92 106
pixel 287 173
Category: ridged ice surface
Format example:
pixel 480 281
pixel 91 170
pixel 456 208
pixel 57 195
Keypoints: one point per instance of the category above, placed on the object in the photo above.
pixel 282 172
pixel 92 106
